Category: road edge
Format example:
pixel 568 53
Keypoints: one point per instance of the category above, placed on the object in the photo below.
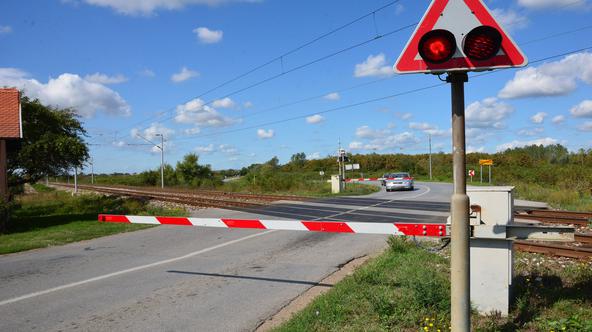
pixel 304 299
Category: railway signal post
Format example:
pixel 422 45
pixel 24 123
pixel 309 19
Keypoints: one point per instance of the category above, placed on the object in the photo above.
pixel 453 38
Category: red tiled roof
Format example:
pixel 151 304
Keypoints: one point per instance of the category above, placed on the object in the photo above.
pixel 10 122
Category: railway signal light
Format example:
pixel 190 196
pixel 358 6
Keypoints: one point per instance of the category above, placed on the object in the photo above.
pixel 482 43
pixel 458 35
pixel 437 46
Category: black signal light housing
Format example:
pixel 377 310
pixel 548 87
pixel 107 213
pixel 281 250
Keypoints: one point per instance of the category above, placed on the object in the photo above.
pixel 437 46
pixel 482 43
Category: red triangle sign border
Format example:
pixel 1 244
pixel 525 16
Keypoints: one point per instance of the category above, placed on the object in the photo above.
pixel 408 63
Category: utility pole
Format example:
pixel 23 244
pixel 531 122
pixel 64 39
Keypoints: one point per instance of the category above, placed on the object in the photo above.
pixel 459 210
pixel 161 148
pixel 92 171
pixel 75 181
pixel 161 160
pixel 430 141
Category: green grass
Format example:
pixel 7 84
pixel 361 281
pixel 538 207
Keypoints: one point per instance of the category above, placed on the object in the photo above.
pixel 407 289
pixel 55 218
pixel 395 292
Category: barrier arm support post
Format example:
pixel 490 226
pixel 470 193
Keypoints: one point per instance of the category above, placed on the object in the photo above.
pixel 460 229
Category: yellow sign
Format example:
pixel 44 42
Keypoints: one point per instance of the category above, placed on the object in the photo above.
pixel 486 162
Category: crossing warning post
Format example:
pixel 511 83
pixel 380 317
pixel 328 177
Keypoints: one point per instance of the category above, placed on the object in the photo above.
pixel 455 37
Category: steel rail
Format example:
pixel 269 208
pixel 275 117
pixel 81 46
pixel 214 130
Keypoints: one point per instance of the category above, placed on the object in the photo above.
pixel 553 249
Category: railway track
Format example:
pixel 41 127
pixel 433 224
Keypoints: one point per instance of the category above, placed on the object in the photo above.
pixel 198 192
pixel 556 217
pixel 553 249
pixel 193 198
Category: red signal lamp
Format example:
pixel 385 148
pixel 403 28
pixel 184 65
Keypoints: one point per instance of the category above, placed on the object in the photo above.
pixel 437 46
pixel 482 43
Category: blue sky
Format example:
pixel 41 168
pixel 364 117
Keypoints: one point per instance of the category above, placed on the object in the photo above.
pixel 133 67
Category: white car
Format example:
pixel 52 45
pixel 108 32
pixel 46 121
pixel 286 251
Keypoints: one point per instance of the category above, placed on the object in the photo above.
pixel 399 181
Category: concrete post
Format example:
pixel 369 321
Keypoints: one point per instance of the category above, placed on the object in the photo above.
pixel 460 233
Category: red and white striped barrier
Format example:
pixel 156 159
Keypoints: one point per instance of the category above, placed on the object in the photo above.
pixel 366 179
pixel 436 230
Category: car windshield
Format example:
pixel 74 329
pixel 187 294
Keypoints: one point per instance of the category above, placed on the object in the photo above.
pixel 400 175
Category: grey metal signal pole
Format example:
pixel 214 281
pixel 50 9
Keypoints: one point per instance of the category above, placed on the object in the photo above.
pixel 460 234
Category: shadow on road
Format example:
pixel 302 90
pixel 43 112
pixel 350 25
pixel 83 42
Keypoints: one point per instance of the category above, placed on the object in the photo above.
pixel 299 282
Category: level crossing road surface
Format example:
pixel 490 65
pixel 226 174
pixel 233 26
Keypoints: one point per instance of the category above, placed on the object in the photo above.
pixel 175 278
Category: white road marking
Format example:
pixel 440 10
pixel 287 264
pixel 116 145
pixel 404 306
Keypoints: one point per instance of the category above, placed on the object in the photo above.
pixel 133 269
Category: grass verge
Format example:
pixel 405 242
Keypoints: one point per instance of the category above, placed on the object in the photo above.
pixel 407 289
pixel 52 218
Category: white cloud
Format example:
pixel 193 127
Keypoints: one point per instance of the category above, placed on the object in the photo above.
pixel 148 7
pixel 105 79
pixel 367 132
pixel 538 118
pixel 515 144
pixel 510 19
pixel 473 149
pixel 224 103
pixel 192 131
pixel 314 155
pixel 119 144
pixel 355 145
pixel 208 36
pixel 184 75
pixel 404 116
pixel 68 91
pixel 542 4
pixel 550 79
pixel 146 72
pixel 332 96
pixel 5 29
pixel 531 131
pixel 228 149
pixel 195 112
pixel 152 133
pixel 313 119
pixel 265 134
pixel 205 149
pixel 428 128
pixel 582 110
pixel 399 8
pixel 586 126
pixel 488 113
pixel 247 104
pixel 375 65
pixel 392 141
pixel 558 119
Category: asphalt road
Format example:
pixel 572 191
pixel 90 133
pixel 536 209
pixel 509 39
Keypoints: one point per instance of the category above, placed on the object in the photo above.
pixel 197 279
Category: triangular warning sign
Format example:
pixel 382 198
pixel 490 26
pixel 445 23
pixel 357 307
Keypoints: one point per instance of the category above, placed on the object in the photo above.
pixel 459 17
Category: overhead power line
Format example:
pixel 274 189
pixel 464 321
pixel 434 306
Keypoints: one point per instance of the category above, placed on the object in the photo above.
pixel 283 55
pixel 317 60
pixel 368 101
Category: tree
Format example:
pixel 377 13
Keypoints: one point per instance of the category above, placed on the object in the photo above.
pixel 52 143
pixel 298 159
pixel 190 171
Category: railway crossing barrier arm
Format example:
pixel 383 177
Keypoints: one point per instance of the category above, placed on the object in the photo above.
pixel 404 229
